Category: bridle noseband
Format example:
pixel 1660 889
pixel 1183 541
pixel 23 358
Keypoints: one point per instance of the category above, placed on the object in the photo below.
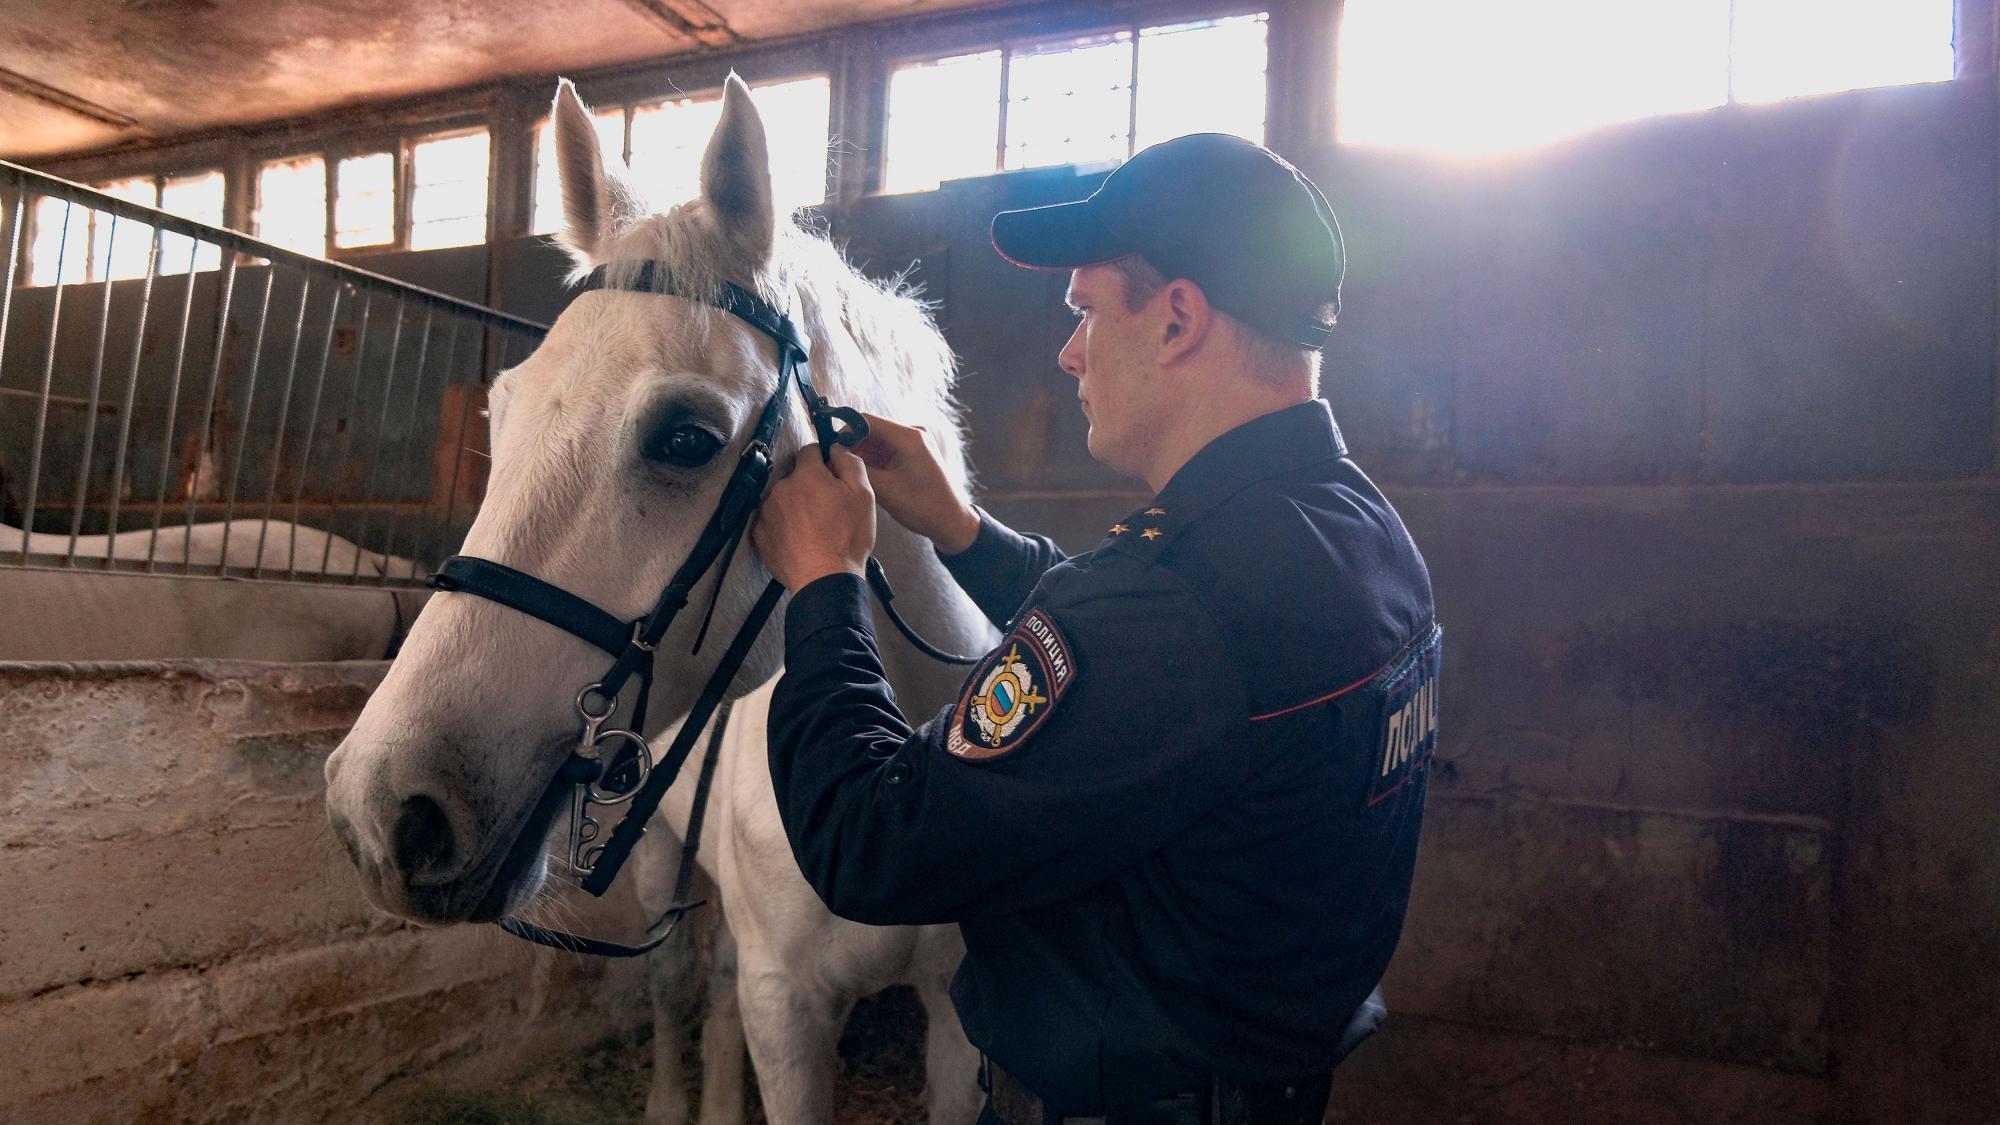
pixel 613 765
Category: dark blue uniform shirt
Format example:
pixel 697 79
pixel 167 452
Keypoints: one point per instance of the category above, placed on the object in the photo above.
pixel 1175 813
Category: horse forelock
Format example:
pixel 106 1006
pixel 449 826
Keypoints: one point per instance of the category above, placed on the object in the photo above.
pixel 874 344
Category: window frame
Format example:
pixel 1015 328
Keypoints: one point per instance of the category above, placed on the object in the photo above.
pixel 406 188
pixel 398 143
pixel 180 170
pixel 1730 103
pixel 631 94
pixel 1011 35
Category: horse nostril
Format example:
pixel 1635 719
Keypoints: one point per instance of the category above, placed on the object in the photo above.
pixel 344 832
pixel 422 838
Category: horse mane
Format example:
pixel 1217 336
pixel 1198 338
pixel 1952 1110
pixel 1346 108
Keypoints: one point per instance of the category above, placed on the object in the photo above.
pixel 874 344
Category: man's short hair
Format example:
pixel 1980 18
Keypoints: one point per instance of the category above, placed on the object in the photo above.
pixel 1263 353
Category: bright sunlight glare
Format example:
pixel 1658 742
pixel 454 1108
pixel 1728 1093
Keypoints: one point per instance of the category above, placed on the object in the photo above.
pixel 1474 76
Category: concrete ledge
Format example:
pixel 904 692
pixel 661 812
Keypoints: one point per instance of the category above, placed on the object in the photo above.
pixel 184 940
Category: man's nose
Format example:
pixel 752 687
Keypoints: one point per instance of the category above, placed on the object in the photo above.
pixel 1070 359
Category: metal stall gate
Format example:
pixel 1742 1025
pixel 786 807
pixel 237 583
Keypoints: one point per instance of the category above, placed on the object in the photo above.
pixel 180 399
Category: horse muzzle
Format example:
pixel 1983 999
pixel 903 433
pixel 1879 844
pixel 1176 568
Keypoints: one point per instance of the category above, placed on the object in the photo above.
pixel 428 858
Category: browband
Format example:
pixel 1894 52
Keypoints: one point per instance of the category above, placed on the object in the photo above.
pixel 653 277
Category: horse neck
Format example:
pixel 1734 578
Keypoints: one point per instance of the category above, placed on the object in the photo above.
pixel 917 365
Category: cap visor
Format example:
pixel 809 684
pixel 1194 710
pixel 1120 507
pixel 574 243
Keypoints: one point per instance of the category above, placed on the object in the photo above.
pixel 1059 237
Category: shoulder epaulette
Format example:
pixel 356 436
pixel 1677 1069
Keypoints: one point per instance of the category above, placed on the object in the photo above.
pixel 1143 532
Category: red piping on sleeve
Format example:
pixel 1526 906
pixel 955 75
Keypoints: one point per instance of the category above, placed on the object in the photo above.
pixel 1322 699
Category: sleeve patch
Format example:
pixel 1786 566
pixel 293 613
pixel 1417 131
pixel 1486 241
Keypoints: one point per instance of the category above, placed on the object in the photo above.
pixel 1013 691
pixel 1409 725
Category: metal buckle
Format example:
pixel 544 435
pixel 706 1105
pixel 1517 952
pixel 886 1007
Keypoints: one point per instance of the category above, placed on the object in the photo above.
pixel 639 627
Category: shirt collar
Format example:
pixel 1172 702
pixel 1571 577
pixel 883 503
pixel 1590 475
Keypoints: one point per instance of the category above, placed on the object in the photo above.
pixel 1263 447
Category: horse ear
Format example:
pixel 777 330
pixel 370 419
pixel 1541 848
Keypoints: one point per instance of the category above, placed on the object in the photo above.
pixel 596 202
pixel 736 173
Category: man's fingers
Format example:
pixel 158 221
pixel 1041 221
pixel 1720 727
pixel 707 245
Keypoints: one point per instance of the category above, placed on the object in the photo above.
pixel 888 427
pixel 876 450
pixel 849 467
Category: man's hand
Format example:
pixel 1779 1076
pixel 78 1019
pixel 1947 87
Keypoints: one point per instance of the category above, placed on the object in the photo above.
pixel 818 520
pixel 912 486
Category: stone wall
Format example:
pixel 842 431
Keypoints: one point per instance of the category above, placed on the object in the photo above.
pixel 183 940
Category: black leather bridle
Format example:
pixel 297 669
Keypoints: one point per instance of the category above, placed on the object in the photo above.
pixel 613 765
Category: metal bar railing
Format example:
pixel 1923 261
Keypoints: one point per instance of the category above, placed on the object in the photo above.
pixel 312 428
pixel 48 384
pixel 208 407
pixel 172 413
pixel 248 465
pixel 347 434
pixel 96 390
pixel 416 396
pixel 381 427
pixel 41 183
pixel 284 423
pixel 132 382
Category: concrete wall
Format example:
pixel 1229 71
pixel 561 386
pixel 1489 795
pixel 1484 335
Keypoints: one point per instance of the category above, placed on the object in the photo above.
pixel 183 941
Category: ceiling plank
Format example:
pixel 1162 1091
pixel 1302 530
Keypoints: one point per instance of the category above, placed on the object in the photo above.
pixel 690 18
pixel 27 87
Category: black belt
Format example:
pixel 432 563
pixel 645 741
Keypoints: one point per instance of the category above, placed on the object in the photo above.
pixel 1224 1102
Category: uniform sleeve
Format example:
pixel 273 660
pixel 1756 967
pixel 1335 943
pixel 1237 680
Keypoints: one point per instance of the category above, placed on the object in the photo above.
pixel 1001 568
pixel 963 817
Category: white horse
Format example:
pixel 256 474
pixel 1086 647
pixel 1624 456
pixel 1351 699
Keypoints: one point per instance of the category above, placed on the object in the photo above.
pixel 76 614
pixel 276 547
pixel 443 790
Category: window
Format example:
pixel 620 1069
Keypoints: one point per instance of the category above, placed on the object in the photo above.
pixel 1205 77
pixel 668 139
pixel 291 204
pixel 364 201
pixel 1470 76
pixel 930 104
pixel 1070 102
pixel 60 250
pixel 197 197
pixel 120 248
pixel 1791 48
pixel 663 143
pixel 448 191
pixel 1074 100
pixel 797 116
pixel 85 244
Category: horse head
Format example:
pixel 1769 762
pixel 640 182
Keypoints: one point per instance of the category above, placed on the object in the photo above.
pixel 611 446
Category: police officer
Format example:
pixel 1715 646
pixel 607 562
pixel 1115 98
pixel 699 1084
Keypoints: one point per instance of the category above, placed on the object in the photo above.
pixel 1175 811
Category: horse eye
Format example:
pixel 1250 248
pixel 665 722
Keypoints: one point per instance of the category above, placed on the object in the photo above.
pixel 685 445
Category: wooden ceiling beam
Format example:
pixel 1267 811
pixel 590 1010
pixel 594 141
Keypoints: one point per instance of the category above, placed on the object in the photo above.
pixel 17 83
pixel 690 19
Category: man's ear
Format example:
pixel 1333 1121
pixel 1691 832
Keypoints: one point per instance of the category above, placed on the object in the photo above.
pixel 1189 319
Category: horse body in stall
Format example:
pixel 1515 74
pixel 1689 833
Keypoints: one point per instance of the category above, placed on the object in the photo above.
pixel 610 448
pixel 66 613
pixel 276 548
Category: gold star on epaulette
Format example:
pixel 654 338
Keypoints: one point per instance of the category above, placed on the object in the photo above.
pixel 1155 512
pixel 1119 529
pixel 1150 533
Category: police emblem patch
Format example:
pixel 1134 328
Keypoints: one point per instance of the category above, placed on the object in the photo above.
pixel 1009 695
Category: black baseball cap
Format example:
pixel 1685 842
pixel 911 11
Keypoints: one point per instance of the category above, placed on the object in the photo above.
pixel 1229 215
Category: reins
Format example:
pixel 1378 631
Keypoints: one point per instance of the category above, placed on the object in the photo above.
pixel 613 765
